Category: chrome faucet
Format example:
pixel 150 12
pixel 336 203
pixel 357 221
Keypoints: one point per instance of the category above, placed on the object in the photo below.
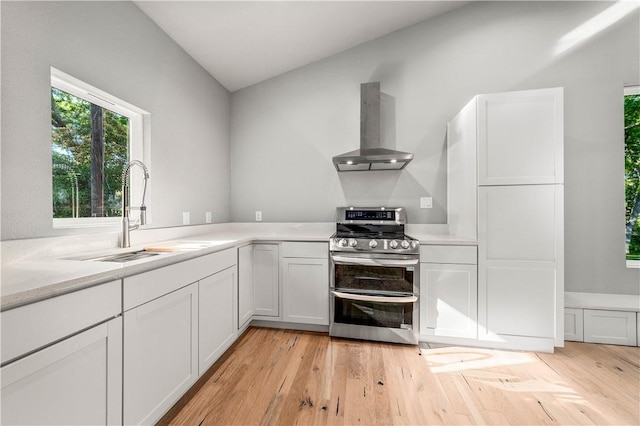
pixel 126 227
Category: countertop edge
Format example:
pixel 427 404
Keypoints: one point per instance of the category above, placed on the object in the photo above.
pixel 120 271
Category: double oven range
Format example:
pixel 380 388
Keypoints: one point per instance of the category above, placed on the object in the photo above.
pixel 374 277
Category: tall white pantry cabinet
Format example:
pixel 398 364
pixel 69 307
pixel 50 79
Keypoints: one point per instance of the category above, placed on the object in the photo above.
pixel 506 188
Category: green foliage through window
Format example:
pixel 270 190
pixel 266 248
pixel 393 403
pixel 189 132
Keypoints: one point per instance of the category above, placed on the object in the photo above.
pixel 89 151
pixel 632 173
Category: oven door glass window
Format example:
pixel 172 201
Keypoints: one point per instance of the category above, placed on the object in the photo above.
pixel 374 314
pixel 375 278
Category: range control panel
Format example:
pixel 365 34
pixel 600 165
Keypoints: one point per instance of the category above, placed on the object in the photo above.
pixel 372 215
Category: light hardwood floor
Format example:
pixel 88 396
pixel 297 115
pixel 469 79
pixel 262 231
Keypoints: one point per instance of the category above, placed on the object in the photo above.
pixel 283 377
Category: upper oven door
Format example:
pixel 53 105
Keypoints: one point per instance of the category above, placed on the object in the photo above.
pixel 375 273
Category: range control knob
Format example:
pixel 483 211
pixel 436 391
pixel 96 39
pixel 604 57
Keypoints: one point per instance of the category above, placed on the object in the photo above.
pixel 393 244
pixel 342 242
pixel 353 242
pixel 373 244
pixel 404 244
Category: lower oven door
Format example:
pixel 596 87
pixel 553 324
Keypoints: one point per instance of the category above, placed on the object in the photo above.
pixel 381 317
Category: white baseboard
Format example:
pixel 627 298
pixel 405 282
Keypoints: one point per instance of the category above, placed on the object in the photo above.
pixel 602 318
pixel 607 301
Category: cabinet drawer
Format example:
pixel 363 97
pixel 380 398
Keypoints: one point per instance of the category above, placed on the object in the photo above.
pixel 139 289
pixel 77 381
pixel 610 327
pixel 449 254
pixel 33 326
pixel 310 250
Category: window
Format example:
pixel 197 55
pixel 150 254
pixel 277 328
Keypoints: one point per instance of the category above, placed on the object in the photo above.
pixel 93 136
pixel 632 173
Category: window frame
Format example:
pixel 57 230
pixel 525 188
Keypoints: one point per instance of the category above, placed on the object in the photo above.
pixel 631 89
pixel 138 149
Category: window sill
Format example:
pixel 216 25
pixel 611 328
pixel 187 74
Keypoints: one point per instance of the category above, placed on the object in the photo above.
pixel 87 222
pixel 633 264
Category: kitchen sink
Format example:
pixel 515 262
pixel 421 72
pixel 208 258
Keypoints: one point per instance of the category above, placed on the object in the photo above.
pixel 125 257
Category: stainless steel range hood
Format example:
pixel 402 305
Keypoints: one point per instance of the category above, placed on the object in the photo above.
pixel 371 155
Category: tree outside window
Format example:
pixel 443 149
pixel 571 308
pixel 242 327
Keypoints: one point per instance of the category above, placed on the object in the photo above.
pixel 89 152
pixel 632 171
pixel 93 136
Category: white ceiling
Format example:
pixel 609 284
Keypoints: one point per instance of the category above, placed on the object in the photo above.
pixel 241 43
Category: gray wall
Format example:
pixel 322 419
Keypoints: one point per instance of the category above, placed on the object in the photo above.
pixel 115 47
pixel 284 131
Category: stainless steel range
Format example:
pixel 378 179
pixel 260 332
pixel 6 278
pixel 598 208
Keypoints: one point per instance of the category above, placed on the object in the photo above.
pixel 374 278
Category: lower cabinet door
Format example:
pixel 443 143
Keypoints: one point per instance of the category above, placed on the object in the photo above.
pixel 520 264
pixel 160 354
pixel 245 285
pixel 306 290
pixel 216 312
pixel 449 300
pixel 266 280
pixel 517 299
pixel 77 381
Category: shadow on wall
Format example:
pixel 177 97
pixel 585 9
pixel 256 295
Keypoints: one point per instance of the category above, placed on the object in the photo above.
pixel 399 188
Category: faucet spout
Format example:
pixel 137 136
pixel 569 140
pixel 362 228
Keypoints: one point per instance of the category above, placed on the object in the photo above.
pixel 126 226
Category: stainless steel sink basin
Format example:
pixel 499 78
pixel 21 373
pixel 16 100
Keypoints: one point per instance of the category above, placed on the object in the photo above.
pixel 125 257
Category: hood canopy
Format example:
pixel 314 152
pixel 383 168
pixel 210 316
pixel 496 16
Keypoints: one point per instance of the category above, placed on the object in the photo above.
pixel 371 155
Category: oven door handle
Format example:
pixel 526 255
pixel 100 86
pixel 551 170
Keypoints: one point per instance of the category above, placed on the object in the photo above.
pixel 378 299
pixel 363 261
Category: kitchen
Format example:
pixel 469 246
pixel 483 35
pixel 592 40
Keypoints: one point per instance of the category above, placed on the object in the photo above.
pixel 220 150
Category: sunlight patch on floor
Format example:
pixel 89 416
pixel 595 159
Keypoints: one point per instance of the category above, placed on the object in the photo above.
pixel 456 358
pixel 532 386
pixel 489 367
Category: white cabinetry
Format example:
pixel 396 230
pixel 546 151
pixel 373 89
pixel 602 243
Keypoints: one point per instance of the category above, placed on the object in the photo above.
pixel 448 291
pixel 162 330
pixel 520 137
pixel 77 380
pixel 217 316
pixel 245 285
pixel 520 252
pixel 573 325
pixel 305 282
pixel 160 354
pixel 266 281
pixel 613 319
pixel 611 327
pixel 519 219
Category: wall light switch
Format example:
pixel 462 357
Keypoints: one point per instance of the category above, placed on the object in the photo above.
pixel 207 217
pixel 426 202
pixel 186 218
pixel 258 216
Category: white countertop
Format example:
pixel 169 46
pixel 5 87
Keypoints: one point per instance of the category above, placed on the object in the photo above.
pixel 49 267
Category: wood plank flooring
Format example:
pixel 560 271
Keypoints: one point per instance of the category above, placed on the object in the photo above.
pixel 284 377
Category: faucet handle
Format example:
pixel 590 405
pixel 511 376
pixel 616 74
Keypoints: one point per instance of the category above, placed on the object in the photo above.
pixel 143 215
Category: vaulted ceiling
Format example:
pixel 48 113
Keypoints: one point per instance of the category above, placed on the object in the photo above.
pixel 241 43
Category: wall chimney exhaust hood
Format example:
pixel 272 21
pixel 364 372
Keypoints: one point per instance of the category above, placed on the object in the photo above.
pixel 371 155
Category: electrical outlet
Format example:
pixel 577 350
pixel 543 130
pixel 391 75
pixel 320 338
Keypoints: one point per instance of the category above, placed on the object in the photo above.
pixel 258 216
pixel 208 217
pixel 426 202
pixel 186 218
